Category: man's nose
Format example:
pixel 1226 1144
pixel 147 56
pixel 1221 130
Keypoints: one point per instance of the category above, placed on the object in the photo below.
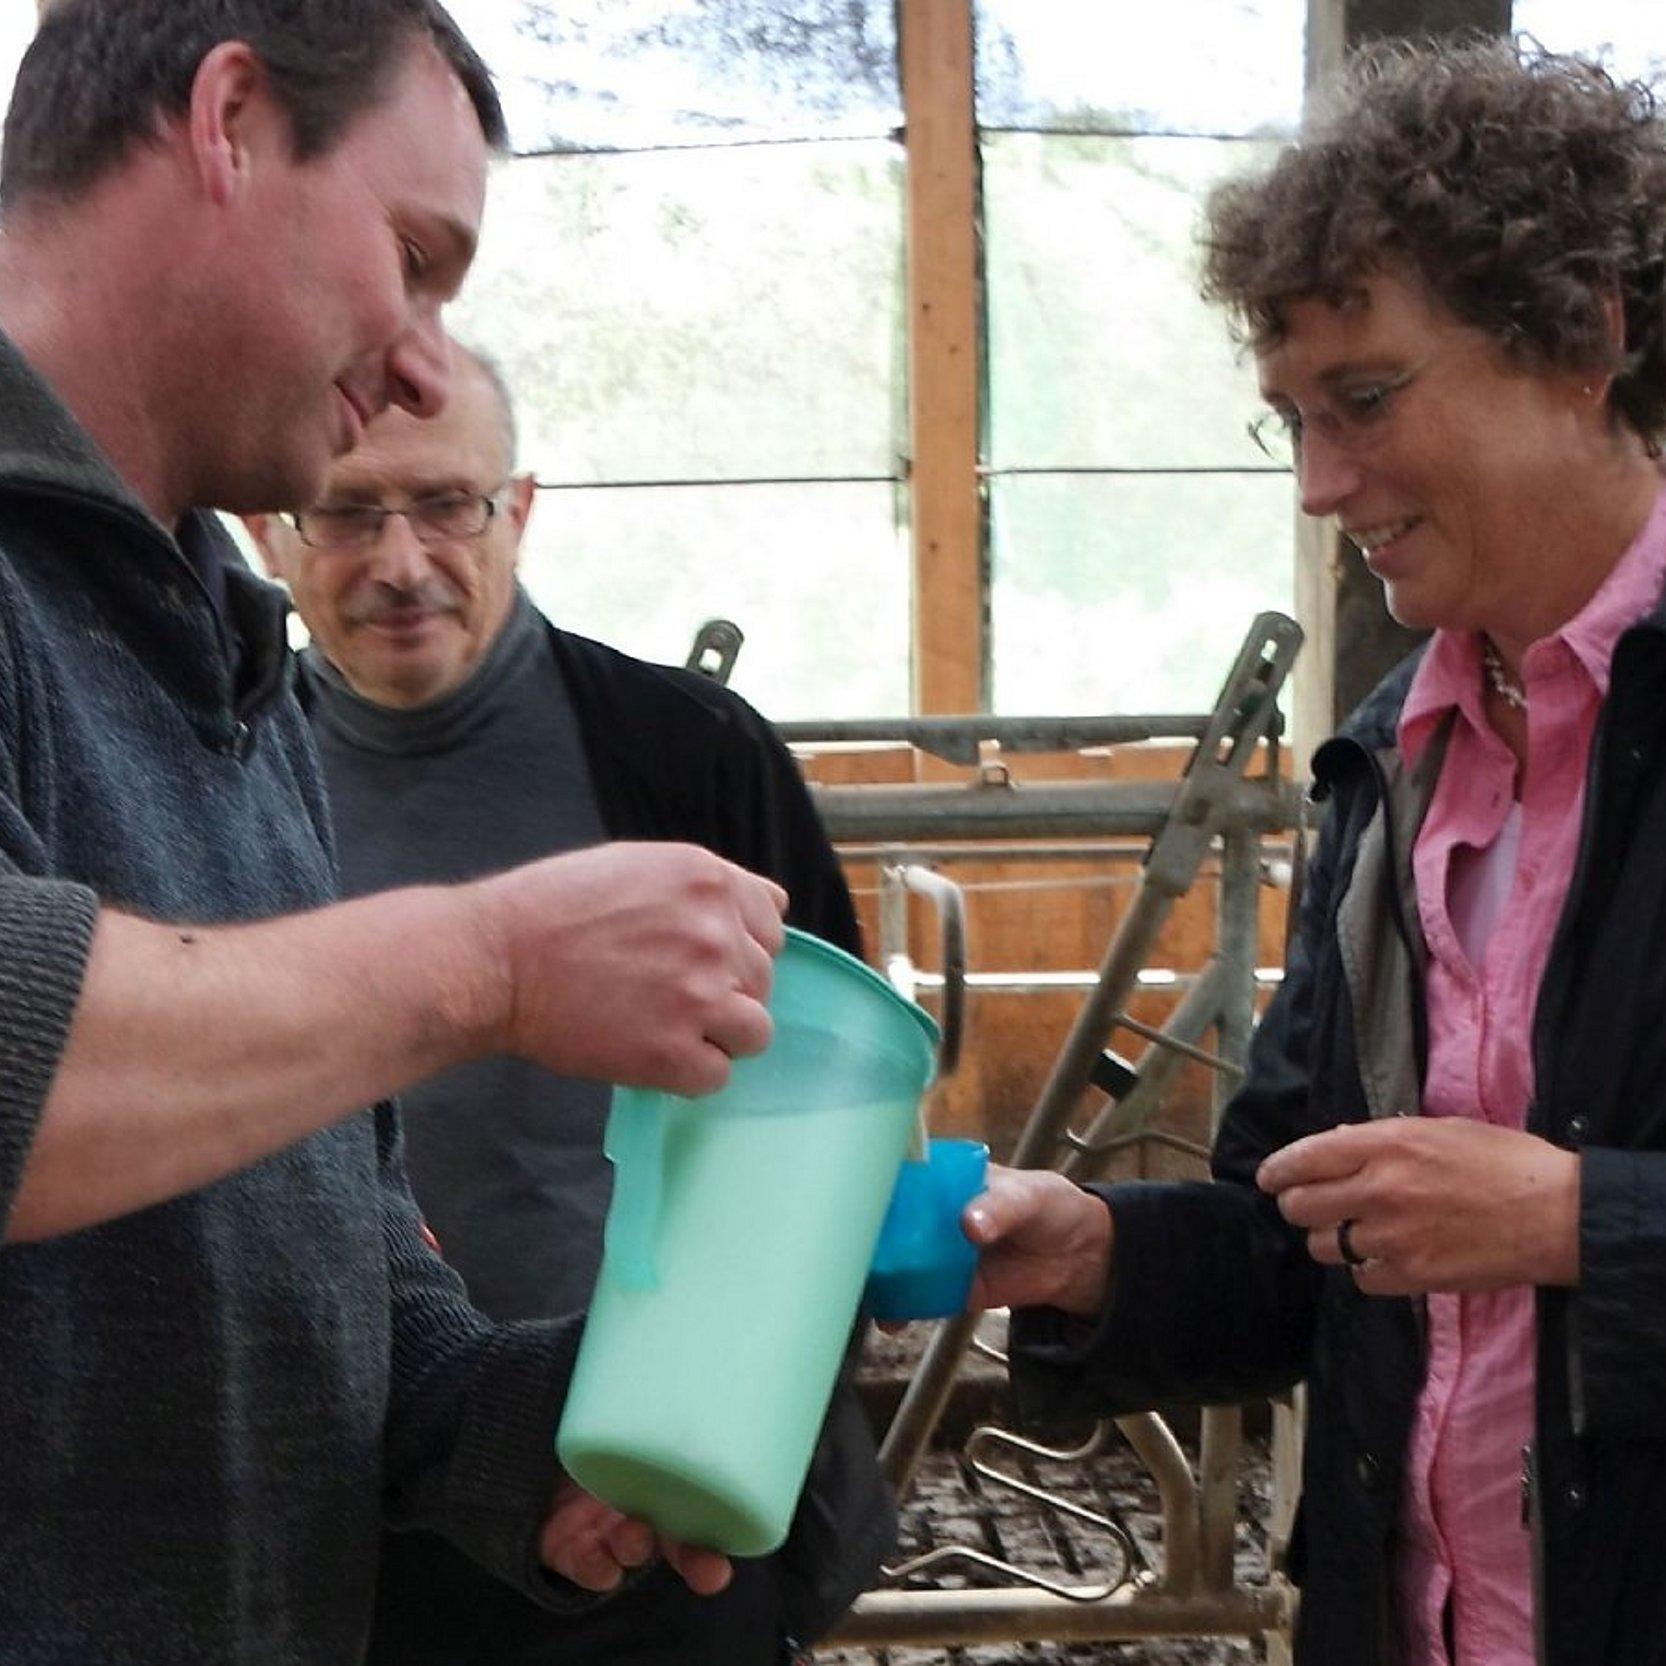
pixel 419 366
pixel 398 557
pixel 1327 474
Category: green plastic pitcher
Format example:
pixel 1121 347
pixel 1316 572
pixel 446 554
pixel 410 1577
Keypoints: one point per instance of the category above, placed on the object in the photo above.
pixel 737 1243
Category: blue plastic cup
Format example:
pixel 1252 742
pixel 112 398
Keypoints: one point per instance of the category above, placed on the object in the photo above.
pixel 923 1265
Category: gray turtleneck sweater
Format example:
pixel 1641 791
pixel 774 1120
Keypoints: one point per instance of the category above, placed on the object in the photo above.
pixel 505 1158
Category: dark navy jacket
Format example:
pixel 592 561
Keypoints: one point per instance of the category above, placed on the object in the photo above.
pixel 1216 1299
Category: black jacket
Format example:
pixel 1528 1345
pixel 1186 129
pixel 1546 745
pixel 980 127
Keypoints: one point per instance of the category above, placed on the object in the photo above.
pixel 673 755
pixel 1216 1298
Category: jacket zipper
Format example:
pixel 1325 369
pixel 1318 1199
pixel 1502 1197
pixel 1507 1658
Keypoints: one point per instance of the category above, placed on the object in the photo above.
pixel 1532 1520
pixel 1552 999
pixel 1555 961
pixel 1397 912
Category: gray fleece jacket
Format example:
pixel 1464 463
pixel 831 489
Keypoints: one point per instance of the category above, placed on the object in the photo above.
pixel 207 1408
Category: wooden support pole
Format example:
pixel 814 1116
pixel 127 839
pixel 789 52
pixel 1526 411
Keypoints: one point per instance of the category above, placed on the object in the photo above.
pixel 950 651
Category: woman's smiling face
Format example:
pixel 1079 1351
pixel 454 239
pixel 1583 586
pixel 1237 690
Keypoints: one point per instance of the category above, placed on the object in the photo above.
pixel 1442 462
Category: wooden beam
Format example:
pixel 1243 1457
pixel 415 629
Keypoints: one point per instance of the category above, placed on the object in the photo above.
pixel 950 602
pixel 1313 715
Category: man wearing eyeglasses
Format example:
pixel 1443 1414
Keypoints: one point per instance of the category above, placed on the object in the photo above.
pixel 460 733
pixel 404 570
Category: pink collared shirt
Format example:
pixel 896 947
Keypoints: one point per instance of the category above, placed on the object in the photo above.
pixel 1491 876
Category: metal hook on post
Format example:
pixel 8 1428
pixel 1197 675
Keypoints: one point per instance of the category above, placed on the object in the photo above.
pixel 896 881
pixel 716 647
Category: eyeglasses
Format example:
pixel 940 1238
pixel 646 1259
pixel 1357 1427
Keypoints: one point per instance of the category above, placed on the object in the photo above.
pixel 448 517
pixel 1353 421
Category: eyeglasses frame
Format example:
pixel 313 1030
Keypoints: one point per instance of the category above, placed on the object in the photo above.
pixel 490 502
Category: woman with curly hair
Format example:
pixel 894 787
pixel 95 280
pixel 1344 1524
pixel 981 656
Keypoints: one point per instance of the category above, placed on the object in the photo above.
pixel 1440 1195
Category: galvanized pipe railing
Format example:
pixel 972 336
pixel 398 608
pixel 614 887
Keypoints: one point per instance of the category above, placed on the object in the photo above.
pixel 1194 1595
pixel 1221 1428
pixel 1122 1119
pixel 902 815
pixel 947 1619
pixel 959 739
pixel 1203 804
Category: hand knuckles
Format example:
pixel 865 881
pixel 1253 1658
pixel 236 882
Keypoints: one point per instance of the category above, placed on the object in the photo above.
pixel 1296 1206
pixel 1378 1193
pixel 703 945
pixel 679 1069
pixel 708 881
pixel 690 1003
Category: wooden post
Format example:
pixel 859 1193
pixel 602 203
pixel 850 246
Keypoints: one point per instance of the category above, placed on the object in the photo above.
pixel 950 626
pixel 1352 641
pixel 1320 552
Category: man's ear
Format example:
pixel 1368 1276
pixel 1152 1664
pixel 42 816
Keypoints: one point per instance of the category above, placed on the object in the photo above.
pixel 522 492
pixel 271 537
pixel 230 114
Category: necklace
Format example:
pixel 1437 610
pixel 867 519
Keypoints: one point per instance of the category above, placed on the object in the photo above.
pixel 1506 686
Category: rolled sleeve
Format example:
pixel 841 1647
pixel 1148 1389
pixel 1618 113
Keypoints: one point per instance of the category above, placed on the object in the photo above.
pixel 46 931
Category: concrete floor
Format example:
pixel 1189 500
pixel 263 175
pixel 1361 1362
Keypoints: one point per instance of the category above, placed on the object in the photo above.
pixel 950 1504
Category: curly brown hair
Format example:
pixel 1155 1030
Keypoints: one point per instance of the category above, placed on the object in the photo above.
pixel 1527 189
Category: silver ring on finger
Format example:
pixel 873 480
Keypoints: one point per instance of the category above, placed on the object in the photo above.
pixel 1345 1245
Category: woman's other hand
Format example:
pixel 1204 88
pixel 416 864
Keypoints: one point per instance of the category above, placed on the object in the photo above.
pixel 1433 1203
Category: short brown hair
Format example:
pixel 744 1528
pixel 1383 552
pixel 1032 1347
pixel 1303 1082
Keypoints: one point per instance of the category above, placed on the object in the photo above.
pixel 1526 189
pixel 101 74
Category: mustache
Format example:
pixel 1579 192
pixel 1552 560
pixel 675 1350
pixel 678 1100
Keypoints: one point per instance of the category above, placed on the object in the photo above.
pixel 390 601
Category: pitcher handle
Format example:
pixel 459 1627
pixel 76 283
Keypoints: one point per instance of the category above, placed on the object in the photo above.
pixel 635 1144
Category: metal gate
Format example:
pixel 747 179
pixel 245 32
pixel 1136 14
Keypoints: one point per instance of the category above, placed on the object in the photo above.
pixel 1231 798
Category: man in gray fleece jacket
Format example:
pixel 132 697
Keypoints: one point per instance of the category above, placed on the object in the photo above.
pixel 226 1356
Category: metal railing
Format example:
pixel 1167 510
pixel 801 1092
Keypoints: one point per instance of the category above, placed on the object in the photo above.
pixel 1216 807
